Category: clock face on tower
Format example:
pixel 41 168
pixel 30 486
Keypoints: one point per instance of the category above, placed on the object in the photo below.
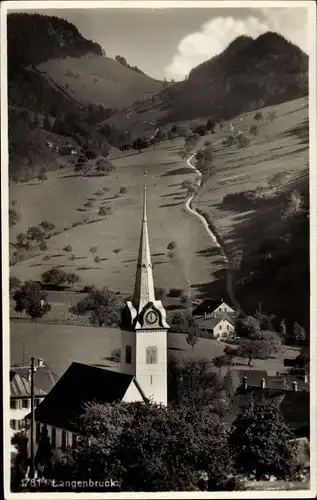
pixel 151 317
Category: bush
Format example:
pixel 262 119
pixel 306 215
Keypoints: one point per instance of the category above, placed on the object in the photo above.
pixel 253 130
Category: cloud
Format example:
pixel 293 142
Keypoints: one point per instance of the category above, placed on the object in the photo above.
pixel 215 35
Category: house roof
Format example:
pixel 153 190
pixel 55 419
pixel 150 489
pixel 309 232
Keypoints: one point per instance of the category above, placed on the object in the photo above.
pixel 208 306
pixel 284 382
pixel 44 377
pixel 79 385
pixel 210 323
pixel 20 387
pixel 254 376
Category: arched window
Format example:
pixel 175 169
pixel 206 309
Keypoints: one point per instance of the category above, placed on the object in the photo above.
pixel 151 355
pixel 128 354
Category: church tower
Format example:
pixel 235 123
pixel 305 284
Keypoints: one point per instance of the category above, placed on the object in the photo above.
pixel 144 328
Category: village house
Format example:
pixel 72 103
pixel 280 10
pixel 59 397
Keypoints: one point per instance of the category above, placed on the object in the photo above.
pixel 20 393
pixel 213 308
pixel 218 327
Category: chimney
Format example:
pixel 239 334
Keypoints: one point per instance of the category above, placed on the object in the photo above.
pixel 29 375
pixel 205 314
pixel 294 386
pixel 40 362
pixel 263 383
pixel 306 378
pixel 245 383
pixel 221 299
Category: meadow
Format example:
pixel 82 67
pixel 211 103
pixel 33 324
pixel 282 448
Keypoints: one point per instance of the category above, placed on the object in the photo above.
pixel 101 80
pixel 61 200
pixel 60 346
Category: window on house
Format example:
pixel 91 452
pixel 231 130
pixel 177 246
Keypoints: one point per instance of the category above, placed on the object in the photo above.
pixel 128 354
pixel 37 431
pixel 151 355
pixel 36 402
pixel 53 437
pixel 13 424
pixel 151 379
pixel 220 327
pixel 25 403
pixel 228 327
pixel 13 404
pixel 64 440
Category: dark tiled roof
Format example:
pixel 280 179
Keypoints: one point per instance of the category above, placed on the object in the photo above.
pixel 44 378
pixel 208 305
pixel 79 385
pixel 254 376
pixel 20 387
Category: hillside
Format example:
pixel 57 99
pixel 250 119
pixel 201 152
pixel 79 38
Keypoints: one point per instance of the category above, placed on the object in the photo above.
pixel 61 83
pixel 249 74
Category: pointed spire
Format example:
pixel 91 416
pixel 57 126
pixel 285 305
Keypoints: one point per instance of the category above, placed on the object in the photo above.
pixel 144 286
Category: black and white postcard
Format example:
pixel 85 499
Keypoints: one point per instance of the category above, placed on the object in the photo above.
pixel 158 173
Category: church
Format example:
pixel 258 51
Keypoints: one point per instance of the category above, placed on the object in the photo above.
pixel 143 371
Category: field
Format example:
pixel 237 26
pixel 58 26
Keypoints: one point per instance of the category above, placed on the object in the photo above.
pixel 280 146
pixel 61 200
pixel 101 80
pixel 60 346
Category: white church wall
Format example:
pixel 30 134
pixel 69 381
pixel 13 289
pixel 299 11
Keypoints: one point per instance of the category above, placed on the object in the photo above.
pixel 133 394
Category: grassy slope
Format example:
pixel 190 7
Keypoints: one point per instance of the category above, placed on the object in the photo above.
pixel 59 347
pixel 279 146
pixel 100 80
pixel 61 201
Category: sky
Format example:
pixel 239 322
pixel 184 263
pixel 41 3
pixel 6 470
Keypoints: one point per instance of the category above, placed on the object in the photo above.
pixel 168 43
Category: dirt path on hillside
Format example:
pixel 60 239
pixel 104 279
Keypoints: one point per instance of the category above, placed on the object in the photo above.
pixel 213 236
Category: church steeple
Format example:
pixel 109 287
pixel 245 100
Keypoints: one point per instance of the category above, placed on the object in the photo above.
pixel 144 286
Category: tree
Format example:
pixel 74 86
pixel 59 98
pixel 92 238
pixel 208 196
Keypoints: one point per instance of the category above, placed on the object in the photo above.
pixel 54 276
pixel 246 326
pixel 192 337
pixel 231 352
pixel 261 441
pixel 44 451
pixel 221 361
pixel 32 300
pixel 42 176
pixel 294 205
pixel 266 321
pixel 89 204
pixel 242 141
pixel 117 251
pixel 115 355
pixel 19 466
pixel 47 226
pixel 253 130
pixel 68 249
pixel 14 283
pixel 123 190
pixel 171 246
pixel 35 233
pixel 43 246
pixel 258 116
pixel 299 334
pixel 104 211
pixel 272 116
pixel 272 340
pixel 72 279
pixel 97 260
pixel 93 251
pixel 103 307
pixel 14 217
pixel 253 349
pixel 140 444
pixel 21 239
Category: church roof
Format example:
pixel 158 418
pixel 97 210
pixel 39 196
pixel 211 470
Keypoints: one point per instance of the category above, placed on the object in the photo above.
pixel 144 285
pixel 79 385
